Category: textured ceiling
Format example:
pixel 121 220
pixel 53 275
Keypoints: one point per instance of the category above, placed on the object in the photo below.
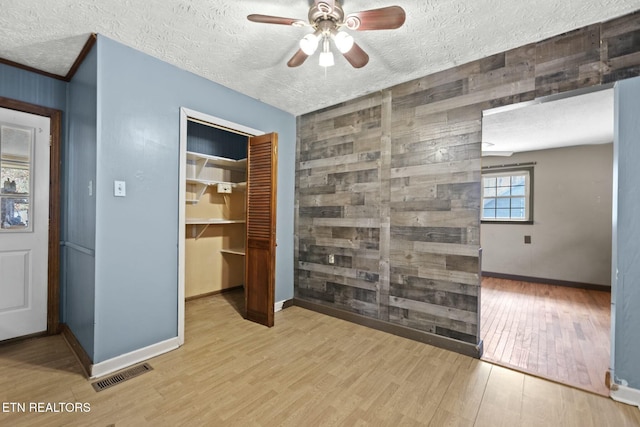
pixel 213 38
pixel 577 120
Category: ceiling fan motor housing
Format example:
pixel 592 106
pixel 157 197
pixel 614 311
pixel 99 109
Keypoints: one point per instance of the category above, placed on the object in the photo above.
pixel 324 12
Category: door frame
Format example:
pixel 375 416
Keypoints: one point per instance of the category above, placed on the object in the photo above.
pixel 185 115
pixel 53 269
pixel 614 201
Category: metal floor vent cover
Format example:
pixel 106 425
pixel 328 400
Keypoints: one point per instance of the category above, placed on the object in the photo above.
pixel 120 377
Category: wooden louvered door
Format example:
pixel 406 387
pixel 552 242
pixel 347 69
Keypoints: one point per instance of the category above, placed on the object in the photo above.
pixel 261 228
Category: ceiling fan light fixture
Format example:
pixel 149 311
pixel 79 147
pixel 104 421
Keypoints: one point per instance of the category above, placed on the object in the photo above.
pixel 327 18
pixel 326 56
pixel 344 42
pixel 309 43
pixel 326 59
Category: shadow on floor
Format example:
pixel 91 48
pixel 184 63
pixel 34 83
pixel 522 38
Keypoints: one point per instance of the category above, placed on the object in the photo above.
pixel 235 298
pixel 48 353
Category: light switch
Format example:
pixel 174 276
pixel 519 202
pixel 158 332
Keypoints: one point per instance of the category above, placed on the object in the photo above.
pixel 119 188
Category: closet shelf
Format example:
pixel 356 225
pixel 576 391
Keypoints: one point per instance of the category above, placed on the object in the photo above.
pixel 203 160
pixel 238 185
pixel 209 221
pixel 234 251
pixel 202 184
pixel 201 224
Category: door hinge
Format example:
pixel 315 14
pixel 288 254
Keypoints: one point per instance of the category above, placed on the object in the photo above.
pixel 50 140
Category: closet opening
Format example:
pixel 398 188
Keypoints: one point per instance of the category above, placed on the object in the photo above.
pixel 213 210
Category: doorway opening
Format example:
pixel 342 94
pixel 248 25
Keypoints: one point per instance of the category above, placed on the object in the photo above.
pixel 546 256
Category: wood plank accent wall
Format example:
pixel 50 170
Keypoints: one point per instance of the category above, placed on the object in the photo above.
pixel 390 183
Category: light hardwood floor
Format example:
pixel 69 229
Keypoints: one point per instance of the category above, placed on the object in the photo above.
pixel 555 332
pixel 308 370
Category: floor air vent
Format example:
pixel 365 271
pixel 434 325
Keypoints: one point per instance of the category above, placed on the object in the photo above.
pixel 120 377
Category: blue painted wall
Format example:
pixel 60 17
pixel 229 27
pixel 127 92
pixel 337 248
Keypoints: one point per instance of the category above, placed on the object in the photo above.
pixel 139 99
pixel 33 88
pixel 80 204
pixel 626 296
pixel 121 122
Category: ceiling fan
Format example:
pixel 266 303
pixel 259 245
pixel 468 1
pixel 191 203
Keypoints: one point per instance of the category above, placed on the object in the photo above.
pixel 327 19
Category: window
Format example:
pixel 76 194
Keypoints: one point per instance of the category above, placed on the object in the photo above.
pixel 506 196
pixel 16 163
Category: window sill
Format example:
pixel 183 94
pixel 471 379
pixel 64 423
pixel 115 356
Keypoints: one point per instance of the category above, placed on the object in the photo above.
pixel 530 222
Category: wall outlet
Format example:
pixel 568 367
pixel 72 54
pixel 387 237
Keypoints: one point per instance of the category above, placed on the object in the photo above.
pixel 527 240
pixel 119 188
pixel 332 259
pixel 224 188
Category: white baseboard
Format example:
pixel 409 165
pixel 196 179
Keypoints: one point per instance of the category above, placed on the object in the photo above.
pixel 628 395
pixel 136 356
pixel 278 306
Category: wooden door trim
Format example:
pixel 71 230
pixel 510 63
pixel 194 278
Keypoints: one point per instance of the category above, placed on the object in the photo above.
pixel 53 272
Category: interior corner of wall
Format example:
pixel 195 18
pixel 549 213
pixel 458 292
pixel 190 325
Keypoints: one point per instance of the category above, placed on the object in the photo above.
pixel 624 394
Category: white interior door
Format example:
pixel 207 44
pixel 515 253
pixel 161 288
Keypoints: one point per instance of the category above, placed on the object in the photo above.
pixel 24 222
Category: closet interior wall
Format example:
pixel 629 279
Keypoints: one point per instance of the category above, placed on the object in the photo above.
pixel 215 219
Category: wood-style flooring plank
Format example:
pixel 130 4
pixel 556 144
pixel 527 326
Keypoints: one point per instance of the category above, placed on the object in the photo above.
pixel 308 370
pixel 555 332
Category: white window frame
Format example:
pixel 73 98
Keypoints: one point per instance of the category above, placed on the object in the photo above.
pixel 528 196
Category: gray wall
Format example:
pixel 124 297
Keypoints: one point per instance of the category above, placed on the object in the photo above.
pixel 397 205
pixel 410 156
pixel 80 206
pixel 139 99
pixel 571 233
pixel 626 293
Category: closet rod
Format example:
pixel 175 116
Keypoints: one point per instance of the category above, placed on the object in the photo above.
pixel 212 125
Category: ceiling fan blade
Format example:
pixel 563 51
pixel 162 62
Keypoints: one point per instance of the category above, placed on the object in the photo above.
pixel 266 19
pixel 386 18
pixel 297 59
pixel 357 57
